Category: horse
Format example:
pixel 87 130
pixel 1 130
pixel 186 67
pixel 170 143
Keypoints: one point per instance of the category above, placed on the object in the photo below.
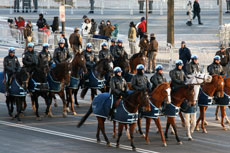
pixel 177 97
pixel 58 78
pixel 96 78
pixel 196 80
pixel 38 86
pixel 126 113
pixel 160 94
pixel 17 92
pixel 207 91
pixel 138 58
pixel 78 67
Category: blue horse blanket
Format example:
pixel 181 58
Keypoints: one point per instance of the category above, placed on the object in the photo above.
pixel 93 82
pixel 171 110
pixel 188 109
pixel 101 106
pixel 54 86
pixel 154 113
pixel 224 101
pixel 204 99
pixel 74 83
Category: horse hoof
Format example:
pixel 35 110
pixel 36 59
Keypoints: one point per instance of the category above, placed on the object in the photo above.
pixel 118 146
pixel 165 145
pixel 64 114
pixel 217 118
pixel 143 135
pixel 197 129
pixel 227 122
pixel 205 131
pixel 172 133
pixel 67 109
pixel 205 123
pixel 134 148
pixel 179 143
pixel 109 145
pixel 147 142
pixel 225 129
pixel 190 139
pixel 98 141
pixel 74 113
pixel 38 118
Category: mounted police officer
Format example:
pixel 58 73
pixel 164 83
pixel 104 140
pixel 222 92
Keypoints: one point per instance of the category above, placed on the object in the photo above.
pixel 44 57
pixel 193 66
pixel 140 81
pixel 30 58
pixel 177 75
pixel 104 53
pixel 224 58
pixel 215 67
pixel 61 54
pixel 158 77
pixel 11 66
pixel 118 87
pixel 112 46
pixel 119 51
pixel 90 56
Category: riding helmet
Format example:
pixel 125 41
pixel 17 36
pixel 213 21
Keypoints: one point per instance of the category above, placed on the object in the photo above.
pixel 30 45
pixel 11 50
pixel 89 45
pixel 194 57
pixel 159 67
pixel 140 67
pixel 179 62
pixel 217 57
pixel 119 41
pixel 113 40
pixel 117 69
pixel 45 45
pixel 104 44
pixel 61 41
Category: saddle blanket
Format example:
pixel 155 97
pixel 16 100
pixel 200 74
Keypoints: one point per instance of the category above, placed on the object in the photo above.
pixel 101 106
pixel 224 101
pixel 74 83
pixel 54 86
pixel 154 113
pixel 36 86
pixel 204 99
pixel 171 110
pixel 93 82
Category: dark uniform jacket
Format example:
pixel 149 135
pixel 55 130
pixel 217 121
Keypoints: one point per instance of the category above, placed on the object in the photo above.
pixel 90 58
pixel 119 52
pixel 118 86
pixel 105 54
pixel 61 55
pixel 196 7
pixel 224 57
pixel 11 65
pixel 111 49
pixel 30 60
pixel 185 56
pixel 45 58
pixel 157 79
pixel 215 68
pixel 192 68
pixel 140 82
pixel 177 77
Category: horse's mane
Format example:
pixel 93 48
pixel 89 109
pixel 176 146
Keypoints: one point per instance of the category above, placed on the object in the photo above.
pixel 156 90
pixel 61 68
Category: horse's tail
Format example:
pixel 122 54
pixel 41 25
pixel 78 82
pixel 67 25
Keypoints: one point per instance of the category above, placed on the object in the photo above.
pixel 83 92
pixel 84 118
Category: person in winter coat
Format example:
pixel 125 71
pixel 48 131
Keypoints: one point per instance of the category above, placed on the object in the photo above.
pixel 119 51
pixel 152 53
pixel 86 27
pixel 104 53
pixel 115 32
pixel 196 11
pixel 41 22
pixel 93 27
pixel 189 13
pixel 101 28
pixel 142 27
pixel 193 66
pixel 75 41
pixel 55 25
pixel 132 35
pixel 158 78
pixel 108 29
pixel 20 23
pixel 61 54
pixel 184 55
pixel 28 33
pixel 215 67
pixel 45 57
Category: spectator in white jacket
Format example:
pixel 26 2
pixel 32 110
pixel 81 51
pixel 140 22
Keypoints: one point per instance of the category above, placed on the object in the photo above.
pixel 86 26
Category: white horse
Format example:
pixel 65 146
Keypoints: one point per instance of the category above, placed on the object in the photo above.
pixel 190 118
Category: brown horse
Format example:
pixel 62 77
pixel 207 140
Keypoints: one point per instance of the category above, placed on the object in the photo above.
pixel 131 104
pixel 157 96
pixel 216 86
pixel 60 76
pixel 78 68
pixel 138 58
pixel 178 96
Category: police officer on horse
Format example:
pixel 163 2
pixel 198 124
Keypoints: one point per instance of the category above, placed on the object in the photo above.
pixel 30 58
pixel 44 57
pixel 61 54
pixel 140 81
pixel 104 53
pixel 119 51
pixel 118 89
pixel 215 67
pixel 158 78
pixel 11 66
pixel 177 76
pixel 193 66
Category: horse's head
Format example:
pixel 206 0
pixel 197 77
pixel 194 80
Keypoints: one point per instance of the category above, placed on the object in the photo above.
pixel 80 62
pixel 144 99
pixel 218 81
pixel 123 63
pixel 23 78
pixel 199 78
pixel 40 74
pixel 162 92
pixel 104 66
pixel 227 86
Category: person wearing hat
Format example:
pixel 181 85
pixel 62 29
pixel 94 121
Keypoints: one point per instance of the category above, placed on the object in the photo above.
pixel 104 53
pixel 132 35
pixel 44 57
pixel 41 22
pixel 101 28
pixel 141 28
pixel 152 53
pixel 28 33
pixel 91 6
pixel 11 65
pixel 112 46
pixel 119 51
pixel 62 35
pixel 140 81
pixel 184 55
pixel 61 54
pixel 90 56
pixel 30 58
pixel 193 66
pixel 177 75
pixel 215 67
pixel 93 27
pixel 108 29
pixel 119 89
pixel 75 41
pixel 158 78
pixel 224 58
pixel 144 44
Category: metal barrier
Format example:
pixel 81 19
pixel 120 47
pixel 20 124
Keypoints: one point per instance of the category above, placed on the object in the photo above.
pixel 224 35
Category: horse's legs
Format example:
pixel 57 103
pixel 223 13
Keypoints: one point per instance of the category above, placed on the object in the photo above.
pixel 8 106
pixel 55 100
pixel 187 125
pixel 222 109
pixel 98 133
pixel 198 120
pixel 167 128
pixel 148 123
pixel 193 123
pixel 158 124
pixel 75 91
pixel 120 129
pixel 33 103
pixel 203 109
pixel 101 123
pixel 70 100
pixel 19 108
pixel 139 127
pixel 67 99
pixel 35 98
pixel 114 129
pixel 24 103
pixel 173 122
pixel 131 131
pixel 182 119
pixel 93 93
pixel 217 111
pixel 62 96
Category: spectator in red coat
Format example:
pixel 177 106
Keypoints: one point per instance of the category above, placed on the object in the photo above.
pixel 142 27
pixel 20 22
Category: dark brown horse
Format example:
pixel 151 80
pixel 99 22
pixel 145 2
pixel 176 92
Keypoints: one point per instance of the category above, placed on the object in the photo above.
pixel 178 96
pixel 160 94
pixel 138 58
pixel 216 86
pixel 60 76
pixel 131 103
pixel 78 68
